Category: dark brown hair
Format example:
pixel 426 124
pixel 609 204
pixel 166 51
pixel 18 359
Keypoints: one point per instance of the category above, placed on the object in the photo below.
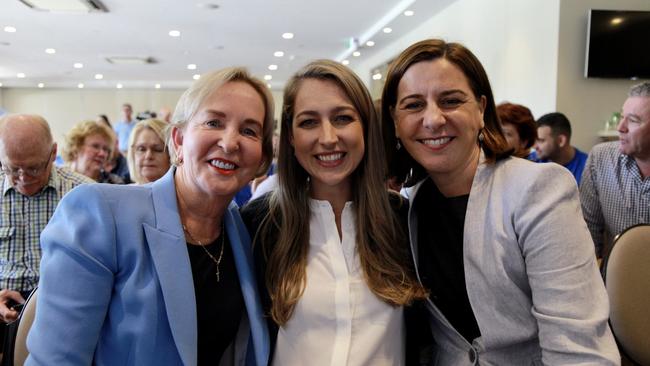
pixel 495 146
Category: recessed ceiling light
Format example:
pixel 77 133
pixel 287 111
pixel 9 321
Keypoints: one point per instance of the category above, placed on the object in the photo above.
pixel 268 77
pixel 191 66
pixel 50 51
pixel 41 85
pixel 80 85
pixel 278 53
pixel 157 86
pixel 387 30
pixel 376 76
pixel 10 29
pixel 99 76
pixel 356 53
pixel 345 62
pixel 119 86
pixel 287 35
pixel 20 75
pixel 273 67
pixel 196 77
pixel 78 65
pixel 409 13
pixel 174 33
pixel 370 43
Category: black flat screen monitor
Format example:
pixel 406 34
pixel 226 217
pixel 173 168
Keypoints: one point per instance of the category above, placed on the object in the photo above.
pixel 618 44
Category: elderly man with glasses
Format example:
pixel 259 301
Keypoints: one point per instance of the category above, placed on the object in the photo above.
pixel 31 189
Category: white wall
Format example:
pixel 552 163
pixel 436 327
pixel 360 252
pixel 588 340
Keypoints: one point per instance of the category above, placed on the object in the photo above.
pixel 587 102
pixel 62 108
pixel 515 40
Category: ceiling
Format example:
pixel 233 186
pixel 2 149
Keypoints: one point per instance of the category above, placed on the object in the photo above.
pixel 213 34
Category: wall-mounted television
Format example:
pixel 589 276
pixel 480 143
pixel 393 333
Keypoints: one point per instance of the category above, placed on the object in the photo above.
pixel 618 44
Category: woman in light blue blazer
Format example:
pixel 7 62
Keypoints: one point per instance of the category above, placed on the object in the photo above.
pixel 162 274
pixel 499 241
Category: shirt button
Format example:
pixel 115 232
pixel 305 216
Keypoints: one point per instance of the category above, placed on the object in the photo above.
pixel 472 355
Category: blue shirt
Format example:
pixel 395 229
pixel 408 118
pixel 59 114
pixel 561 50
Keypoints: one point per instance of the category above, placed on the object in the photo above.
pixel 576 165
pixel 123 131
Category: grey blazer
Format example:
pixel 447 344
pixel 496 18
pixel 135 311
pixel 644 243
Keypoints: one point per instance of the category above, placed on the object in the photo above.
pixel 530 273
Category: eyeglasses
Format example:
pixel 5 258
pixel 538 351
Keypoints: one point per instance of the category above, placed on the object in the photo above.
pixel 99 147
pixel 33 171
pixel 142 149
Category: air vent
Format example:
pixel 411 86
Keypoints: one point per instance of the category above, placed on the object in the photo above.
pixel 66 6
pixel 131 60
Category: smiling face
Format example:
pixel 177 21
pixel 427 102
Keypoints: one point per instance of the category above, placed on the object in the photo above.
pixel 327 136
pixel 221 146
pixel 634 128
pixel 150 157
pixel 438 118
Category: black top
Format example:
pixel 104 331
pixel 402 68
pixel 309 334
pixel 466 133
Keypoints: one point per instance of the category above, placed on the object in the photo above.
pixel 219 305
pixel 441 221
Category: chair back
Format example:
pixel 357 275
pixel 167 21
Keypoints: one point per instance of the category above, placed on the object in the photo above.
pixel 26 319
pixel 627 278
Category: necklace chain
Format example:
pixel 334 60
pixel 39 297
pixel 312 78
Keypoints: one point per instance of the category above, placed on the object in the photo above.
pixel 216 261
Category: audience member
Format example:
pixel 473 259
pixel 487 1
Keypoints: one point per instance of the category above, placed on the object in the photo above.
pixel 327 241
pixel 123 128
pixel 116 162
pixel 148 157
pixel 519 128
pixel 165 114
pixel 615 188
pixel 554 144
pixel 162 274
pixel 498 241
pixel 88 146
pixel 31 188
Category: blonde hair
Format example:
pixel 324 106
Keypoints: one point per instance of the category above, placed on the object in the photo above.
pixel 158 127
pixel 76 137
pixel 194 97
pixel 381 244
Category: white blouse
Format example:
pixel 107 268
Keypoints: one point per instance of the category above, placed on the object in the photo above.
pixel 338 320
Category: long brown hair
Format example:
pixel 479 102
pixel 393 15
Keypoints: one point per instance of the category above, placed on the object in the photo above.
pixel 494 145
pixel 381 244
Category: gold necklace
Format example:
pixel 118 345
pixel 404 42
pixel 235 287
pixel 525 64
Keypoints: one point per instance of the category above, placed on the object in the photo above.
pixel 216 261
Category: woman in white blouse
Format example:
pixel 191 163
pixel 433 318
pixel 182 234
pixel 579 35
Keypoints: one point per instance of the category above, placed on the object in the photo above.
pixel 329 242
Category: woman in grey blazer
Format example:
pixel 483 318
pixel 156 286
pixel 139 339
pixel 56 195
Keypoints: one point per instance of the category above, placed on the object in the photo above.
pixel 499 241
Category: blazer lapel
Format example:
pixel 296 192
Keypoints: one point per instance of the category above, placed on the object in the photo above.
pixel 240 242
pixel 169 253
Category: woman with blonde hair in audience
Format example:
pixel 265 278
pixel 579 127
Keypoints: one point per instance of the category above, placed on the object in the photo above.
pixel 328 240
pixel 162 273
pixel 147 155
pixel 88 145
pixel 499 242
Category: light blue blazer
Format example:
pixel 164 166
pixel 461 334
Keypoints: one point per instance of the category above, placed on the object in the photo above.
pixel 116 284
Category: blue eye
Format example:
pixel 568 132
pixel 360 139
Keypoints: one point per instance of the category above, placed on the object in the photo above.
pixel 249 132
pixel 214 123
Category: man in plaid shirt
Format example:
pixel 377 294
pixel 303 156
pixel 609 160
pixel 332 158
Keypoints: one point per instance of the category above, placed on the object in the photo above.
pixel 30 188
pixel 615 187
